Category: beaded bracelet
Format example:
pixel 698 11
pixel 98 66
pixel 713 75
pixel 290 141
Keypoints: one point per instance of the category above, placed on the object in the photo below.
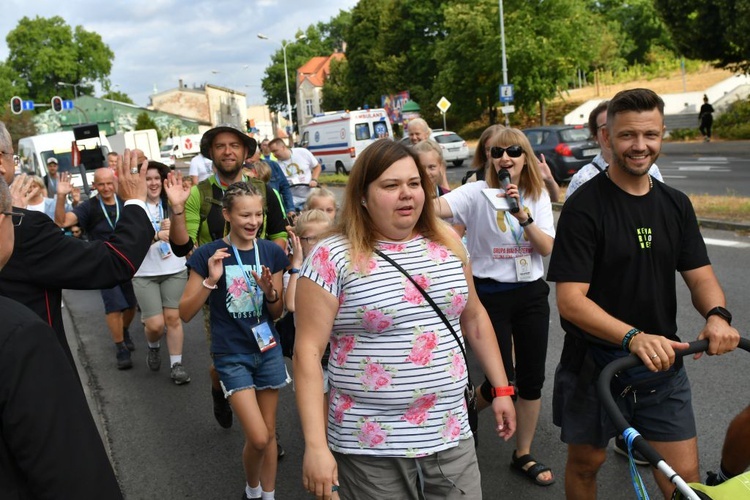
pixel 628 338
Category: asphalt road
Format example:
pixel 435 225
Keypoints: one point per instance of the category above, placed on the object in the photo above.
pixel 165 443
pixel 715 168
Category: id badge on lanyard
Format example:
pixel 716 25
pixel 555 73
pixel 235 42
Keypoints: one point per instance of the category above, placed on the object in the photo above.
pixel 261 332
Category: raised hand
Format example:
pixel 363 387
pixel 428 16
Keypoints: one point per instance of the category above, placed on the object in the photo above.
pixel 131 182
pixel 64 187
pixel 177 193
pixel 22 190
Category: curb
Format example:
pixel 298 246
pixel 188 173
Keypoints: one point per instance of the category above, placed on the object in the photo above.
pixel 89 385
pixel 703 223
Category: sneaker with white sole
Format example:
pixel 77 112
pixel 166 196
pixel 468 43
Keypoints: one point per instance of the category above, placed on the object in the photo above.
pixel 153 359
pixel 621 448
pixel 179 374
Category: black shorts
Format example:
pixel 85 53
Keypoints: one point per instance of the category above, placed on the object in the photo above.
pixel 119 298
pixel 664 413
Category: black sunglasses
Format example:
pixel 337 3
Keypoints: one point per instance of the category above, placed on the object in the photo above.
pixel 513 151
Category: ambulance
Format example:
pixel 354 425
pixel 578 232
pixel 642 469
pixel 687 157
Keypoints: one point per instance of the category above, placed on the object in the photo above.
pixel 336 138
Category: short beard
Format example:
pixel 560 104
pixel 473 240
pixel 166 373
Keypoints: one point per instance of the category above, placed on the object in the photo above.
pixel 229 174
pixel 620 162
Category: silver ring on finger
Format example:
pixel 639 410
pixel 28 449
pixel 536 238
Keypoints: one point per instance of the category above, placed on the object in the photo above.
pixel 134 170
pixel 654 356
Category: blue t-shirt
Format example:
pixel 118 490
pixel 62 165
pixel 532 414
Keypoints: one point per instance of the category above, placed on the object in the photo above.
pixel 232 313
pixel 93 220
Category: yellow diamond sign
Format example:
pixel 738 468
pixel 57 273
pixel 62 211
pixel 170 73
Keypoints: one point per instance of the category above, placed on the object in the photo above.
pixel 443 104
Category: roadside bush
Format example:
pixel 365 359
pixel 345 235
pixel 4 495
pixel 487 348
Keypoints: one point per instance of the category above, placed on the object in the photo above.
pixel 683 134
pixel 734 122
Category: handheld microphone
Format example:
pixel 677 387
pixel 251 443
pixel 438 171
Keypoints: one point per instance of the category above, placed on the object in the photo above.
pixel 505 180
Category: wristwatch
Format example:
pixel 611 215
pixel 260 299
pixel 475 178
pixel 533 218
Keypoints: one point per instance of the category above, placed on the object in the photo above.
pixel 293 270
pixel 526 222
pixel 720 311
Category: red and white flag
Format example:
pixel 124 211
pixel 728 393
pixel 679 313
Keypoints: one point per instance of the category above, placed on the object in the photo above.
pixel 75 154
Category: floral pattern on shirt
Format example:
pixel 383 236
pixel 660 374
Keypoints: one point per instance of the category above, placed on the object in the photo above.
pixel 341 404
pixel 419 409
pixel 457 368
pixel 424 344
pixel 371 433
pixel 437 252
pixel 374 320
pixel 411 293
pixel 341 346
pixel 457 303
pixel 451 430
pixel 323 266
pixel 373 375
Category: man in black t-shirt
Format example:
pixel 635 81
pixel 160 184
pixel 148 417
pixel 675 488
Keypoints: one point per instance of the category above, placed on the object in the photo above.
pixel 98 217
pixel 619 242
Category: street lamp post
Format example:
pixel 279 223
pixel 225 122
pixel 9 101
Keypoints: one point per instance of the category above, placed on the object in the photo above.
pixel 74 85
pixel 286 78
pixel 502 46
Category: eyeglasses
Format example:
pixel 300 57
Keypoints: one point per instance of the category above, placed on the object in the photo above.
pixel 310 240
pixel 513 151
pixel 16 158
pixel 15 217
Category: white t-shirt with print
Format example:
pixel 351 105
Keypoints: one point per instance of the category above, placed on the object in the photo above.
pixel 397 375
pixel 298 168
pixel 494 237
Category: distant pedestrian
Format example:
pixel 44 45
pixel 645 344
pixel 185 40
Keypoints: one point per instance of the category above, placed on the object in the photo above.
pixel 706 117
pixel 50 180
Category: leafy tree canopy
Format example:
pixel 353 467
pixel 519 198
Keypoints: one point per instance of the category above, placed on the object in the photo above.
pixel 45 51
pixel 145 122
pixel 711 30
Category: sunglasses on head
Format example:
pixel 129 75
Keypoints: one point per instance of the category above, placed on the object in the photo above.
pixel 513 151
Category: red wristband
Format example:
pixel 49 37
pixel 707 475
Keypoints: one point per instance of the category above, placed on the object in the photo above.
pixel 498 392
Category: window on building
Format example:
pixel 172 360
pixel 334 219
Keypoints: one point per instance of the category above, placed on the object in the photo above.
pixel 308 107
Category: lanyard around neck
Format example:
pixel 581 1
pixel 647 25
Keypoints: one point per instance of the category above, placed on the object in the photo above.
pixel 256 294
pixel 158 219
pixel 106 215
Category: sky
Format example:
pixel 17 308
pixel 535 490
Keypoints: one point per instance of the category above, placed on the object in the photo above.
pixel 158 42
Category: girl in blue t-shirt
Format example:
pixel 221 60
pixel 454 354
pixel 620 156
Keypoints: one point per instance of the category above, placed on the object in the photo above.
pixel 241 277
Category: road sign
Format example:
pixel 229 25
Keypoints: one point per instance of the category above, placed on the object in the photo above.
pixel 68 104
pixel 506 93
pixel 28 105
pixel 443 104
pixel 508 109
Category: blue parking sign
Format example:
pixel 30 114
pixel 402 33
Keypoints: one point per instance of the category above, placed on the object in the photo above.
pixel 506 93
pixel 28 105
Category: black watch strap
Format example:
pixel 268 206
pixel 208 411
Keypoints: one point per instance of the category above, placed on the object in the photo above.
pixel 526 222
pixel 722 312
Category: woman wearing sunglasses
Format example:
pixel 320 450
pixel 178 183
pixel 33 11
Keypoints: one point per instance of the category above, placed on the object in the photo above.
pixel 506 252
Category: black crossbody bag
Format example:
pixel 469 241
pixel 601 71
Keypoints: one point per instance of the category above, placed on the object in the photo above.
pixel 470 394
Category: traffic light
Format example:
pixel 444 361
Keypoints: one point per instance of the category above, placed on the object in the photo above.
pixel 16 105
pixel 57 104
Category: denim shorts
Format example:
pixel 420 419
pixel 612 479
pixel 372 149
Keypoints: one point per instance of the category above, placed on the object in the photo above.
pixel 251 371
pixel 659 414
pixel 119 298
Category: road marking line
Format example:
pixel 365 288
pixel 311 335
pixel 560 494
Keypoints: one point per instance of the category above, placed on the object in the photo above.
pixel 725 243
pixel 674 176
pixel 704 168
pixel 693 162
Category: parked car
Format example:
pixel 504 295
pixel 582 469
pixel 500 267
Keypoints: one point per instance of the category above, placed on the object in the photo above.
pixel 454 148
pixel 167 156
pixel 566 148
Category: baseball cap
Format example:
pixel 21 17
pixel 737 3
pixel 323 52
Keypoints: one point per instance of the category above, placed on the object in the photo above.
pixel 52 159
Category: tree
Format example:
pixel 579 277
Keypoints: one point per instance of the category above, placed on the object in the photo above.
pixel 44 51
pixel 336 94
pixel 320 40
pixel 711 30
pixel 145 122
pixel 118 96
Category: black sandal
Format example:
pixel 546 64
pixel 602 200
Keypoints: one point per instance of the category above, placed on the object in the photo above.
pixel 532 473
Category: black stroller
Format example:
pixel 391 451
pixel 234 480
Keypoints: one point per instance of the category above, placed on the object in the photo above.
pixel 736 488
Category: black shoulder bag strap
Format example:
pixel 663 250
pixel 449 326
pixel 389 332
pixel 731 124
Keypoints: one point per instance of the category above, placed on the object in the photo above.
pixel 469 391
pixel 432 303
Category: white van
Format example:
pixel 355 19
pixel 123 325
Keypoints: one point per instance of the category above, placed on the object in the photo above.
pixel 34 152
pixel 336 138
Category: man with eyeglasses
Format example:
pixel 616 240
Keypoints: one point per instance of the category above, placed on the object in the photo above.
pixel 597 123
pixel 49 444
pixel 45 261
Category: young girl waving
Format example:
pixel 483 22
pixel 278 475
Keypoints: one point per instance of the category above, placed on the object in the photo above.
pixel 241 276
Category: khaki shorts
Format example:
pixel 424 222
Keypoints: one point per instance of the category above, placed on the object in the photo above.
pixel 156 293
pixel 450 474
